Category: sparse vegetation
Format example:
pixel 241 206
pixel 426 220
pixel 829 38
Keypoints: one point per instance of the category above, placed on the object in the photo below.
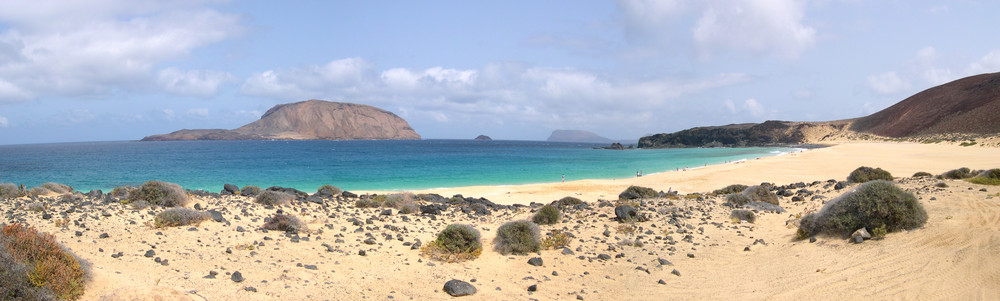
pixel 633 192
pixel 989 177
pixel 957 174
pixel 517 237
pixel 568 202
pixel 9 190
pixel 555 239
pixel 864 174
pixel 873 204
pixel 921 174
pixel 47 264
pixel 754 193
pixel 121 191
pixel 548 215
pixel 273 198
pixel 879 232
pixel 158 193
pixel 404 202
pixel 175 217
pixel 284 222
pixel 734 188
pixel 57 188
pixel 626 228
pixel 36 207
pixel 457 242
pixel 970 143
pixel 250 191
pixel 14 282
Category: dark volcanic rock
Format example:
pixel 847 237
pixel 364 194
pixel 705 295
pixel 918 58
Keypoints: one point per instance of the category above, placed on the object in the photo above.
pixel 535 261
pixel 626 213
pixel 458 288
pixel 230 189
pixel 237 277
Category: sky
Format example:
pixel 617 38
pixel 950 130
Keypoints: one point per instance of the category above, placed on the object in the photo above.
pixel 110 70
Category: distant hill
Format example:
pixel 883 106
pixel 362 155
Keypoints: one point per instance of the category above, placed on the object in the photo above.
pixel 576 136
pixel 969 105
pixel 483 137
pixel 310 120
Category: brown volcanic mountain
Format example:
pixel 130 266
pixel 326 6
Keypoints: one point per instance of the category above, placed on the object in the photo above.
pixel 966 106
pixel 969 105
pixel 310 120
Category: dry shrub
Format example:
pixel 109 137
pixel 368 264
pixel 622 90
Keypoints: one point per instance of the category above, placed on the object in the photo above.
pixel 548 215
pixel 250 191
pixel 175 217
pixel 555 239
pixel 988 177
pixel 864 174
pixel 874 204
pixel 9 190
pixel 517 237
pixel 284 222
pixel 755 193
pixel 49 265
pixel 960 173
pixel 158 193
pixel 57 188
pixel 734 188
pixel 273 198
pixel 455 243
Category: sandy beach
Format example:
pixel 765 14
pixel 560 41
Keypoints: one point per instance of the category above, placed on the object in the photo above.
pixel 689 249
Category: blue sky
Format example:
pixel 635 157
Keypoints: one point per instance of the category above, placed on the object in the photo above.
pixel 96 70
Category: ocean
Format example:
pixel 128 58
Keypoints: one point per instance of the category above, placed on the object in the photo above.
pixel 351 165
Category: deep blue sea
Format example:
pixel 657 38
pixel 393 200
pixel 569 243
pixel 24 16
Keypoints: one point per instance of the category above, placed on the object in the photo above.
pixel 351 165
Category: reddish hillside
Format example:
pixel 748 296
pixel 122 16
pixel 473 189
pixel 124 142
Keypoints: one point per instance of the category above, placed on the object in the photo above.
pixel 970 105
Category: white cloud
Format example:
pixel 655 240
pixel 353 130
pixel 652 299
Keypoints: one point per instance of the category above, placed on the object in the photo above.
pixel 344 76
pixel 887 83
pixel 203 83
pixel 80 48
pixel 729 105
pixel 989 63
pixel 3 122
pixel 760 27
pixel 200 113
pixel 753 107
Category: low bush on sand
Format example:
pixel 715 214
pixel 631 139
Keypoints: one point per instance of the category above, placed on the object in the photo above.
pixel 555 239
pixel 633 192
pixel 250 191
pixel 517 237
pixel 456 243
pixel 957 174
pixel 548 215
pixel 921 174
pixel 755 193
pixel 9 190
pixel 284 222
pixel 158 193
pixel 864 174
pixel 569 201
pixel 273 198
pixel 14 282
pixel 988 177
pixel 735 188
pixel 404 202
pixel 874 204
pixel 48 265
pixel 175 217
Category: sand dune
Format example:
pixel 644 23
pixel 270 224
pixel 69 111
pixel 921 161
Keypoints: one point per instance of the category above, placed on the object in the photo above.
pixel 954 257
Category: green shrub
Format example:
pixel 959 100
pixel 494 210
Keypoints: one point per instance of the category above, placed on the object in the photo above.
pixel 968 143
pixel 555 239
pixel 548 215
pixel 455 243
pixel 864 174
pixel 273 198
pixel 879 232
pixel 284 222
pixel 121 191
pixel 735 188
pixel 640 192
pixel 941 184
pixel 517 237
pixel 158 193
pixel 987 177
pixel 960 173
pixel 175 217
pixel 873 204
pixel 754 193
pixel 14 282
pixel 58 188
pixel 329 190
pixel 921 174
pixel 9 190
pixel 49 265
pixel 568 202
pixel 250 191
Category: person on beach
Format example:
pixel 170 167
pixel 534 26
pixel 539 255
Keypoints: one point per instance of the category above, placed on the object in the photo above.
pixel 564 178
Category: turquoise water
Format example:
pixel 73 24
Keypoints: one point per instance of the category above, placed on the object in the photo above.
pixel 352 165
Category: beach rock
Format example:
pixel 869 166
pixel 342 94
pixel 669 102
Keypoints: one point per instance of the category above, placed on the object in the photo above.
pixel 743 215
pixel 329 191
pixel 297 193
pixel 459 288
pixel 229 189
pixel 150 253
pixel 95 194
pixel 662 261
pixel 840 185
pixel 216 216
pixel 348 194
pixel 237 277
pixel 250 191
pixel 433 209
pixel 535 261
pixel 626 213
pixel 533 288
pixel 861 235
pixel 676 272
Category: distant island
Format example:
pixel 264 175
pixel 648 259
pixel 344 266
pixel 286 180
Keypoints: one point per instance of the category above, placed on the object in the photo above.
pixel 310 120
pixel 576 136
pixel 483 138
pixel 966 106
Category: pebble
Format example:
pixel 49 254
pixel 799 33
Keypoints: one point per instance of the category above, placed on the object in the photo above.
pixel 237 277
